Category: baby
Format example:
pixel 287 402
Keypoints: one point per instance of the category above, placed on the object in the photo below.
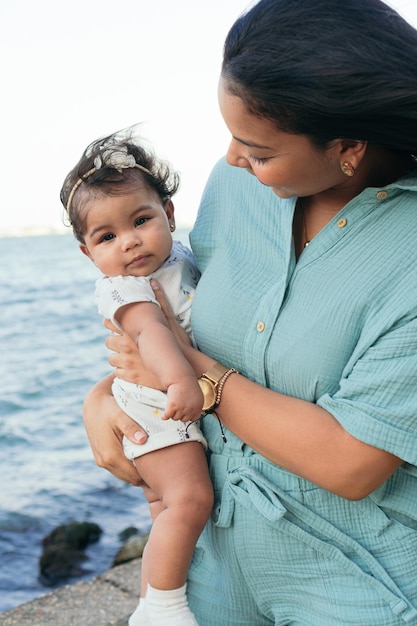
pixel 118 200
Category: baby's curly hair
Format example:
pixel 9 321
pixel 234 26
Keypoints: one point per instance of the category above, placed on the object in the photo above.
pixel 114 165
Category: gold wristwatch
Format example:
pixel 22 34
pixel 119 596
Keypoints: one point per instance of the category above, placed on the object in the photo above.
pixel 211 384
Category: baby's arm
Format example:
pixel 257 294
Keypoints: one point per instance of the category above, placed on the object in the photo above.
pixel 163 357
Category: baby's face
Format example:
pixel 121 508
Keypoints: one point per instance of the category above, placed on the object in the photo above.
pixel 128 235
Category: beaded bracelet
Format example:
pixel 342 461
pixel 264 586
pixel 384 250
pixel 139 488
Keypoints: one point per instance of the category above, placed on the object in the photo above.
pixel 219 397
pixel 221 385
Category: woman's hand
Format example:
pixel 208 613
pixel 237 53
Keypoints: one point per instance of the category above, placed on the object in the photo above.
pixel 106 424
pixel 126 359
pixel 104 421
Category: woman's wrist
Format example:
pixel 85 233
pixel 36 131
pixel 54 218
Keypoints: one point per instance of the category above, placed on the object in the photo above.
pixel 199 361
pixel 212 383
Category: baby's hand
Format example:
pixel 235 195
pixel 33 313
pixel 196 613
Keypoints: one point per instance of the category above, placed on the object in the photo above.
pixel 184 400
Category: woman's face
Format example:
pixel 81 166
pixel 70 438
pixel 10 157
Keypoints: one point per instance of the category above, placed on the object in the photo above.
pixel 290 164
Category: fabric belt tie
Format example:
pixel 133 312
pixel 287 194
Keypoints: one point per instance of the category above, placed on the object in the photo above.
pixel 250 489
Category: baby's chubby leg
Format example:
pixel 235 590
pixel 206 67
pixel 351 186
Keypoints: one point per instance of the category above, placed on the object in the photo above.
pixel 155 508
pixel 139 617
pixel 178 477
pixel 180 495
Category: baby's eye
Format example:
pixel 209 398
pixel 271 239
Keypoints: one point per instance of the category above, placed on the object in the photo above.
pixel 140 220
pixel 107 237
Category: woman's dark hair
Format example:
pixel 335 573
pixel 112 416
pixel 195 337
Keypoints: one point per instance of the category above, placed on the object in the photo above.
pixel 327 69
pixel 99 172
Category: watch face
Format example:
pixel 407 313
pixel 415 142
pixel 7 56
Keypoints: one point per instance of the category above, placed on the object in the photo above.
pixel 209 394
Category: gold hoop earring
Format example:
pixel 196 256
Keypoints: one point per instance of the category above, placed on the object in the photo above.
pixel 347 168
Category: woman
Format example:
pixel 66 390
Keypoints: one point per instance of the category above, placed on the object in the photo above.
pixel 309 290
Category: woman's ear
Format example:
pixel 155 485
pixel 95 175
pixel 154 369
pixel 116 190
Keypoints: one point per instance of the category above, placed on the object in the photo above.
pixel 352 151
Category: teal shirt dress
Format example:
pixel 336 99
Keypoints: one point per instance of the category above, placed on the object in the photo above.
pixel 337 327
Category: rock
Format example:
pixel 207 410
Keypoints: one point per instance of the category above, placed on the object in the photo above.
pixel 63 551
pixel 132 549
pixel 58 563
pixel 128 532
pixel 75 534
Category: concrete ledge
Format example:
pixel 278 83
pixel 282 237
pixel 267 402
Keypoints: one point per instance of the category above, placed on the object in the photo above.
pixel 107 600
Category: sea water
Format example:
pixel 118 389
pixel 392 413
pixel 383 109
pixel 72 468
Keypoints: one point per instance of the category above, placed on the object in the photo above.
pixel 52 352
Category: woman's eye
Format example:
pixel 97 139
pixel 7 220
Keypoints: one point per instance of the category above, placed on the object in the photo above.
pixel 258 160
pixel 140 220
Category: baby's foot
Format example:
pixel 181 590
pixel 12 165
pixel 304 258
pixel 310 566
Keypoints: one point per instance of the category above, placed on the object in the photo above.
pixel 185 618
pixel 139 617
pixel 168 608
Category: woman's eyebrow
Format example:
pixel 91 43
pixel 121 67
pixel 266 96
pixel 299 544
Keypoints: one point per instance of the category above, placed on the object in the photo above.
pixel 251 144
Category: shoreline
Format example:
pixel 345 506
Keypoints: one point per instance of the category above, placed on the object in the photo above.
pixel 107 600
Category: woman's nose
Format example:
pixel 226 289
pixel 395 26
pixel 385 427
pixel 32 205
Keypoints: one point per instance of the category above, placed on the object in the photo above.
pixel 234 155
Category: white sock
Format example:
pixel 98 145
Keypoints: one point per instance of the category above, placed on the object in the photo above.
pixel 168 607
pixel 139 617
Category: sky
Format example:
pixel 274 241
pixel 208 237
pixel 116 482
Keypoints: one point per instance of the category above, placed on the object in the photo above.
pixel 75 71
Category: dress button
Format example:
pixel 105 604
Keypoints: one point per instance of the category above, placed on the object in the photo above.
pixel 342 222
pixel 381 195
pixel 260 327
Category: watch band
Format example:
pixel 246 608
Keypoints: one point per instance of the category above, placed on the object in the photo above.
pixel 215 373
pixel 212 383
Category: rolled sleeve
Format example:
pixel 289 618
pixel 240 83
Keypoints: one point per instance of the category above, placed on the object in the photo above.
pixel 376 402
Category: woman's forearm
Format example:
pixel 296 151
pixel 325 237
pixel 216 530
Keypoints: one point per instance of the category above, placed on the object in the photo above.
pixel 296 435
pixel 299 436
